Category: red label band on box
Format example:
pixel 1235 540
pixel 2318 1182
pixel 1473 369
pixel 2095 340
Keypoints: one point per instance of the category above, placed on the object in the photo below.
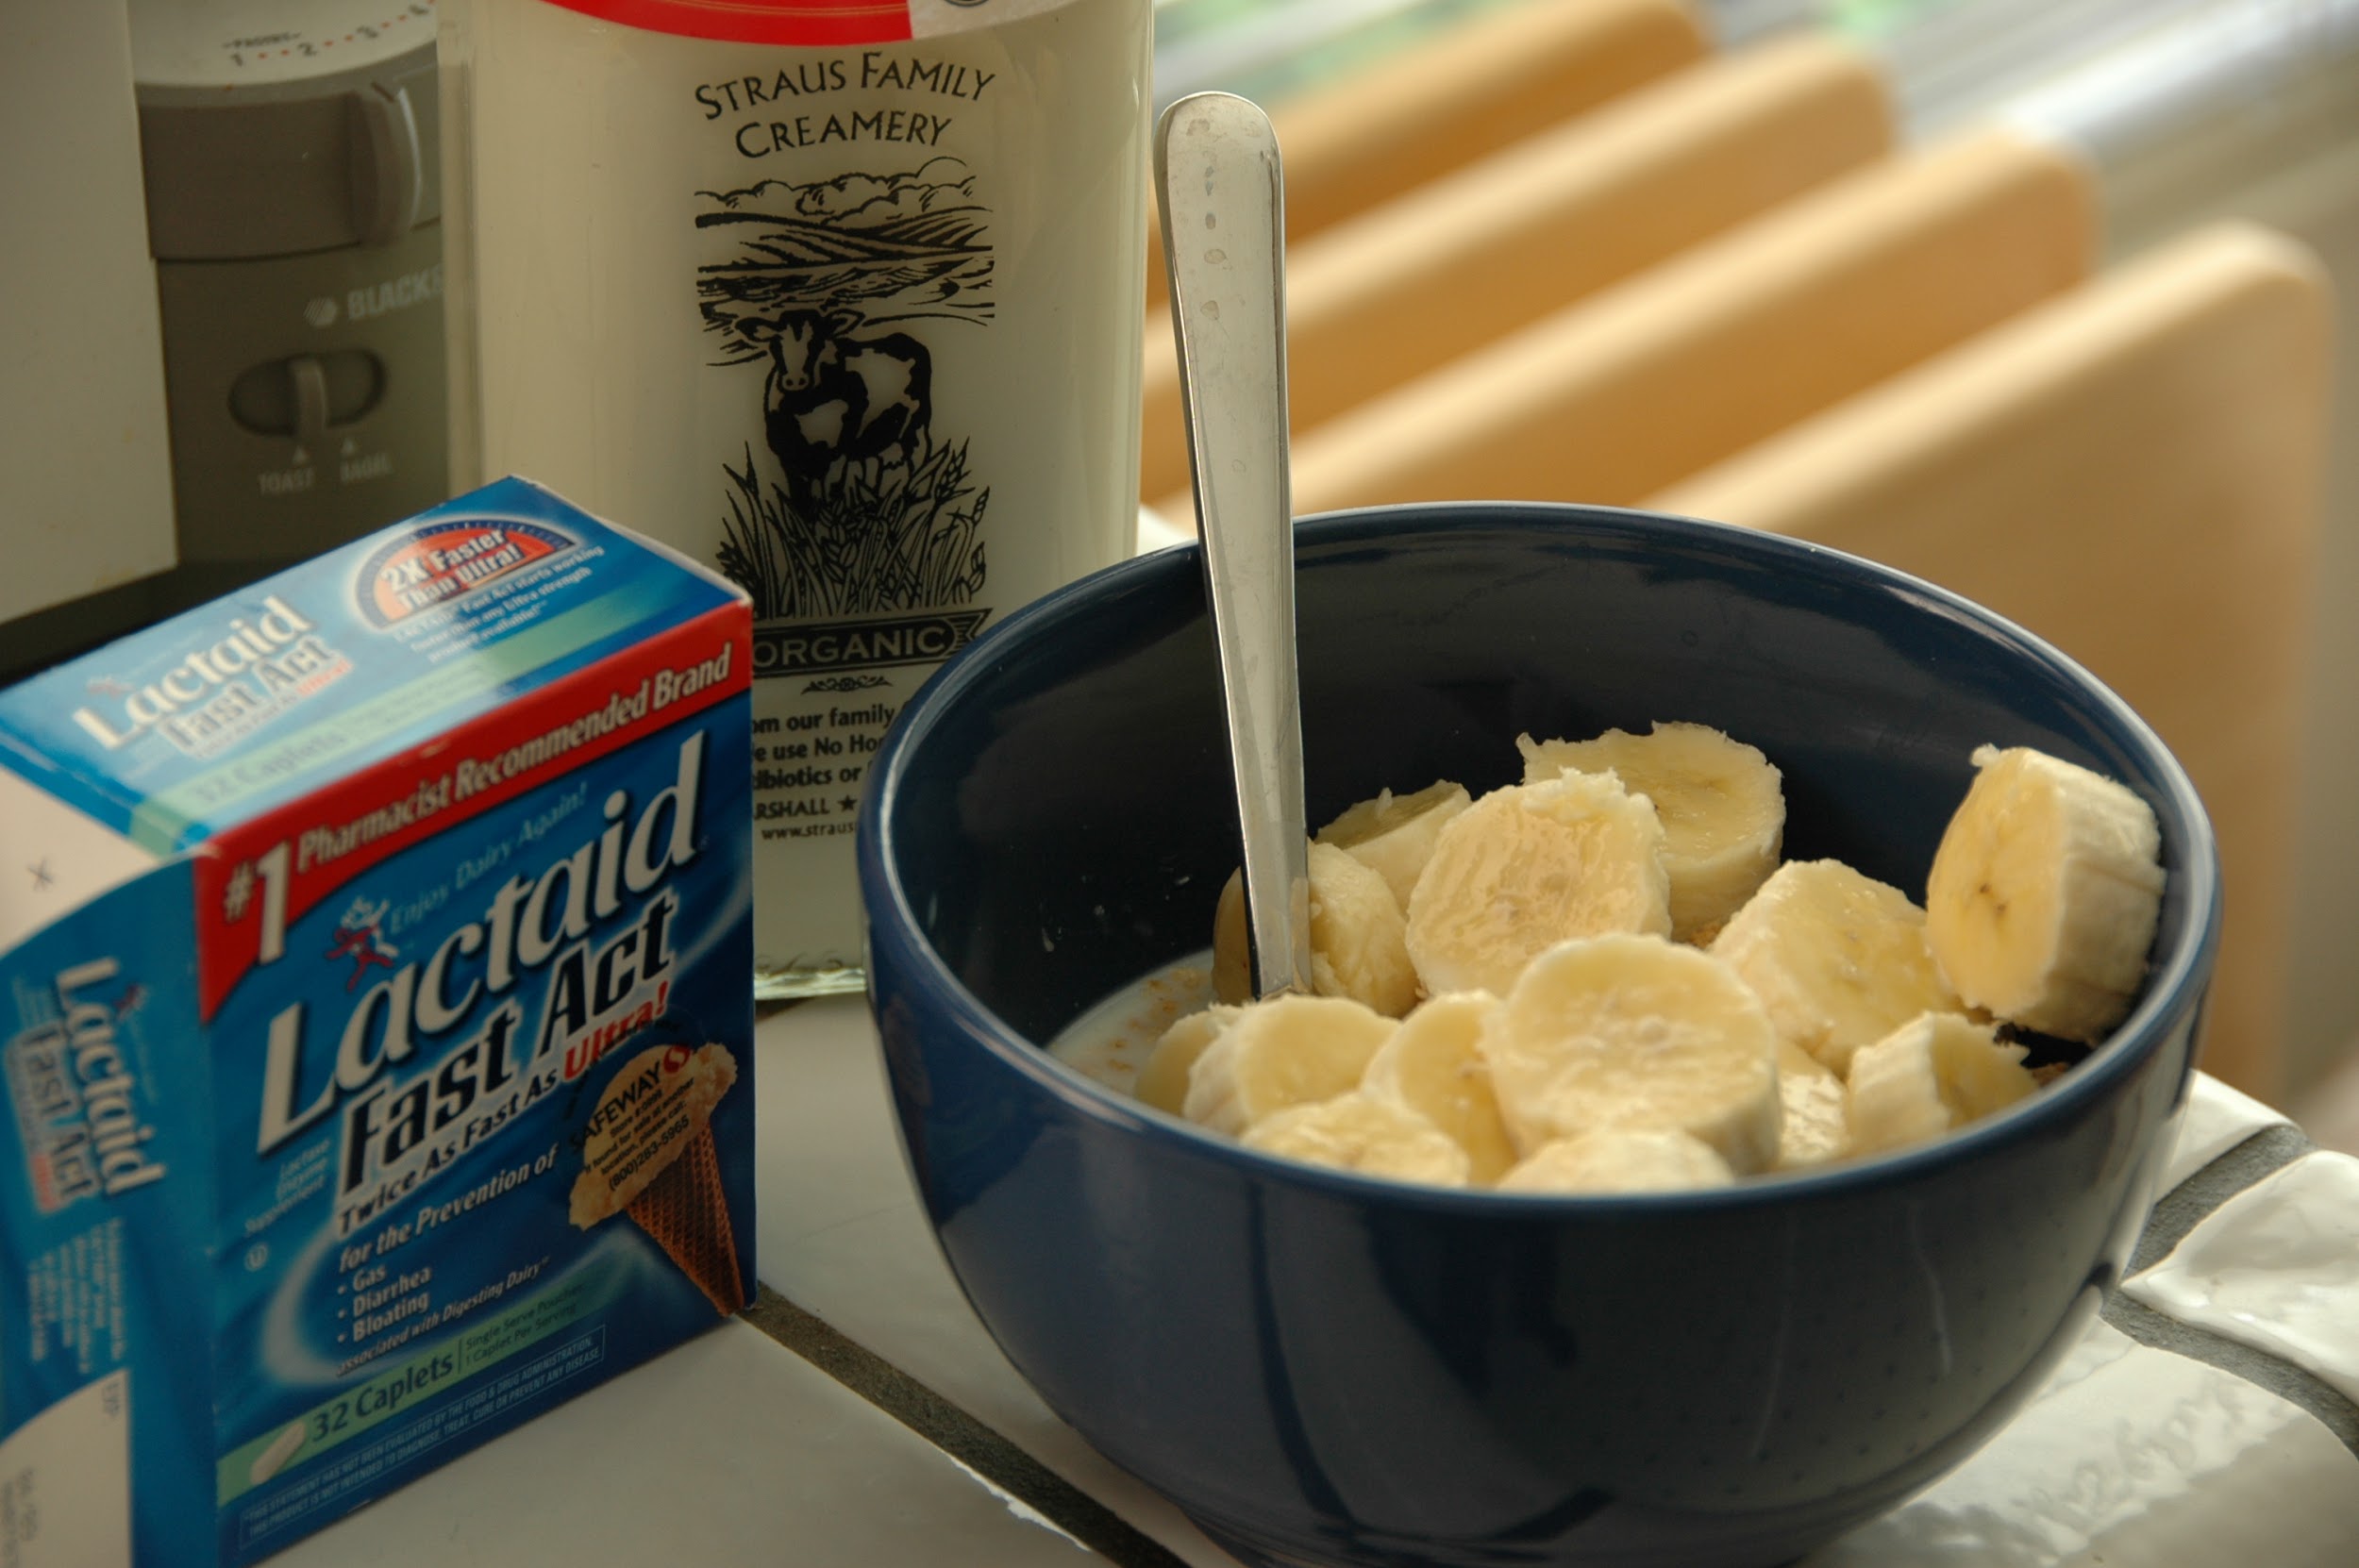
pixel 807 22
pixel 305 851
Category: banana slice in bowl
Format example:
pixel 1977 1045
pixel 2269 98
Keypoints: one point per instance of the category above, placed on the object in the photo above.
pixel 1937 1072
pixel 1285 1051
pixel 2044 893
pixel 1392 835
pixel 1357 936
pixel 1721 803
pixel 1532 865
pixel 1357 1131
pixel 1641 1034
pixel 1434 1065
pixel 1609 1160
pixel 1815 1110
pixel 1838 958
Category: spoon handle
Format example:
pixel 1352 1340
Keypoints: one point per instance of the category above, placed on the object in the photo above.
pixel 1217 179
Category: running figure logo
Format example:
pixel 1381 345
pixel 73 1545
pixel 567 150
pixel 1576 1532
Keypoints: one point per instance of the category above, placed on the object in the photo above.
pixel 358 938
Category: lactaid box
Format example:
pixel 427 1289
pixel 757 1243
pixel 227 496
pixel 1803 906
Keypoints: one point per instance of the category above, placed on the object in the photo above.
pixel 376 971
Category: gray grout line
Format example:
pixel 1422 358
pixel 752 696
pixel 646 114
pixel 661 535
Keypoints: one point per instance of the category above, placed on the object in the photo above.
pixel 2177 1213
pixel 2294 1384
pixel 2186 1206
pixel 957 1433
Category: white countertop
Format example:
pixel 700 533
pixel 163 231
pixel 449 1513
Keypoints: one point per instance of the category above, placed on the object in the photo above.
pixel 866 1418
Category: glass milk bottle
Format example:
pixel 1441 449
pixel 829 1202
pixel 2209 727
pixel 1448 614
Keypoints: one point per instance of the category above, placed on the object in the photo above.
pixel 841 296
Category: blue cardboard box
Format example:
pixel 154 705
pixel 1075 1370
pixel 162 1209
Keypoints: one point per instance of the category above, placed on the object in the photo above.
pixel 376 1022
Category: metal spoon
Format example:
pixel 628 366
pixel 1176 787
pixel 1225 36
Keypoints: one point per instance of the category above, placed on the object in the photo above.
pixel 1217 178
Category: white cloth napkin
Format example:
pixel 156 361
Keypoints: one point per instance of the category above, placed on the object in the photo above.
pixel 2209 1417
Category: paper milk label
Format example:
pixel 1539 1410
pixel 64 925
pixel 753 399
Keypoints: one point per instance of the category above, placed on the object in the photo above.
pixel 404 1091
pixel 860 327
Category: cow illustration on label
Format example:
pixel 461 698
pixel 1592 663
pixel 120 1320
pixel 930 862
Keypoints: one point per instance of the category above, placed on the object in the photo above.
pixel 859 507
pixel 835 400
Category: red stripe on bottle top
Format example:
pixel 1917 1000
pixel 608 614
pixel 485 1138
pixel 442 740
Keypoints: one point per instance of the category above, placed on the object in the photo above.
pixel 808 22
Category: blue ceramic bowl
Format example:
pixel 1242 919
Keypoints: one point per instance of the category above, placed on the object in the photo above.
pixel 1323 1368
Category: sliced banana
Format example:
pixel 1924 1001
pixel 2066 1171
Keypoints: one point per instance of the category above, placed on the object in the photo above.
pixel 1721 801
pixel 1839 958
pixel 1640 1034
pixel 1569 1047
pixel 1611 1160
pixel 1392 835
pixel 1359 1132
pixel 2045 894
pixel 1233 971
pixel 1433 1066
pixel 1815 1110
pixel 1357 929
pixel 1934 1073
pixel 1358 935
pixel 1286 1051
pixel 1526 867
pixel 1162 1080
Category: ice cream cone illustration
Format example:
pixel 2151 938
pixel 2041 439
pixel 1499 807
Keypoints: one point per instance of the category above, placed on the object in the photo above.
pixel 687 1212
pixel 649 1153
